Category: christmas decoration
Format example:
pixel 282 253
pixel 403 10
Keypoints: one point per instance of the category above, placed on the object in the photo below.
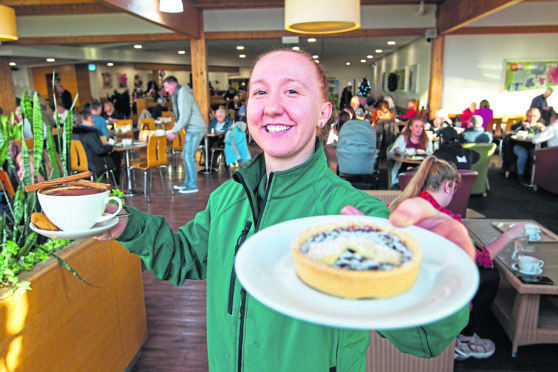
pixel 364 87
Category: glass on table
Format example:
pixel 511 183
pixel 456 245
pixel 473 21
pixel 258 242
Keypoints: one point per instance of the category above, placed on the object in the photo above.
pixel 520 246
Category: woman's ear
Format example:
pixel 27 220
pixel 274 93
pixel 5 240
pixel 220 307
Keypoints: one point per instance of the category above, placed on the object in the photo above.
pixel 447 185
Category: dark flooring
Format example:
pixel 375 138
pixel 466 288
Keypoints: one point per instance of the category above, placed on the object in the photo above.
pixel 176 315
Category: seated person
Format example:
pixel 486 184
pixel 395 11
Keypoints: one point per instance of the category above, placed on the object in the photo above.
pixel 357 108
pixel 60 114
pixel 476 133
pixel 220 123
pixel 467 114
pixel 100 157
pixel 235 105
pixel 236 148
pixel 441 120
pixel 412 136
pixel 333 135
pixel 99 122
pixel 485 111
pixel 356 148
pixel 549 135
pixel 411 105
pixel 525 151
pixel 109 112
pixel 382 113
pixel 436 181
pixel 453 152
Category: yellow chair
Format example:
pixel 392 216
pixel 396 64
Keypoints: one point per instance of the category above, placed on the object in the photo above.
pixel 78 160
pixel 168 114
pixel 156 158
pixel 177 144
pixel 147 124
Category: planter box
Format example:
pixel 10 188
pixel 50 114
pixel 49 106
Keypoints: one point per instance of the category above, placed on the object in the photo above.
pixel 63 324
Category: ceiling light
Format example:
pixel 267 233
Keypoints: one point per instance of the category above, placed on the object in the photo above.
pixel 362 61
pixel 317 60
pixel 322 16
pixel 369 56
pixel 138 46
pixel 295 48
pixel 50 60
pixel 242 56
pixel 348 63
pixel 311 39
pixel 171 6
pixel 315 56
pixel 8 30
pixel 181 52
pixel 240 47
pixel 391 42
pixel 12 63
pixel 110 64
pixel 379 51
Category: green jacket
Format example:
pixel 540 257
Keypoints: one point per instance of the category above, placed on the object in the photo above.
pixel 206 247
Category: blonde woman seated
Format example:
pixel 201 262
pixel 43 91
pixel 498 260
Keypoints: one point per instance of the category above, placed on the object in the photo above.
pixel 436 181
pixel 413 136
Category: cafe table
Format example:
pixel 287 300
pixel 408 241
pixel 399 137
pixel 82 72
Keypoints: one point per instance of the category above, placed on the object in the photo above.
pixel 528 313
pixel 415 159
pixel 529 139
pixel 135 145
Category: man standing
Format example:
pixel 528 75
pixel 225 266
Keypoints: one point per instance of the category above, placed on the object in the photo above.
pixel 99 122
pixel 540 103
pixel 64 95
pixel 187 116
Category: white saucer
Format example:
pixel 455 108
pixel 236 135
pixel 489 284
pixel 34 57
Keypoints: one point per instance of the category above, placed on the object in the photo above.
pixel 516 268
pixel 536 239
pixel 97 229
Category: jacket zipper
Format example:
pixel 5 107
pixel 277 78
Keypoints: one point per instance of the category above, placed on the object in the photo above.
pixel 242 309
pixel 239 242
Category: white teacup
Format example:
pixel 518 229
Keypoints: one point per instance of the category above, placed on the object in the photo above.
pixel 410 151
pixel 533 231
pixel 529 265
pixel 76 208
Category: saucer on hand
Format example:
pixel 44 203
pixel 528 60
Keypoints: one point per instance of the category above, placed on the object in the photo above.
pixel 516 268
pixel 97 229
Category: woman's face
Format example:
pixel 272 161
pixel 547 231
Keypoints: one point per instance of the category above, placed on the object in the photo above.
pixel 284 108
pixel 220 117
pixel 417 128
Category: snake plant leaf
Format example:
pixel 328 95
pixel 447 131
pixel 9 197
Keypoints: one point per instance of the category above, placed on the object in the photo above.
pixel 52 155
pixel 4 145
pixel 38 137
pixel 66 140
pixel 26 163
pixel 30 241
pixel 27 108
pixel 69 268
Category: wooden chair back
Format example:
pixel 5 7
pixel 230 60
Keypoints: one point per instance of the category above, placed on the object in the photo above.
pixel 178 141
pixel 156 151
pixel 147 124
pixel 78 157
pixel 6 184
pixel 28 141
pixel 168 114
pixel 121 123
pixel 497 127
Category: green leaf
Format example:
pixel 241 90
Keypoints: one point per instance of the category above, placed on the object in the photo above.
pixel 38 137
pixel 69 268
pixel 27 108
pixel 26 179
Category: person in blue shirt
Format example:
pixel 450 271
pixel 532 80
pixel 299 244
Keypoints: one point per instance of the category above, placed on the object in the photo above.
pixel 98 121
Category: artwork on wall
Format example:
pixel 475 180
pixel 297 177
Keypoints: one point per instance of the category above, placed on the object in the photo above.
pixel 122 80
pixel 400 78
pixel 530 75
pixel 384 82
pixel 107 80
pixel 412 78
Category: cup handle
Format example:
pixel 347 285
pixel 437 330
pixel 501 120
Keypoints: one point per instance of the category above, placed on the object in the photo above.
pixel 112 215
pixel 541 264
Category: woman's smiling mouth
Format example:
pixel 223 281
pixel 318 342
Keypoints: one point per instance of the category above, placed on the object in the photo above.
pixel 274 128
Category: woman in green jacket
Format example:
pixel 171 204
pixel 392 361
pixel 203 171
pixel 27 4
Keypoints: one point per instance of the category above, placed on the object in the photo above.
pixel 287 103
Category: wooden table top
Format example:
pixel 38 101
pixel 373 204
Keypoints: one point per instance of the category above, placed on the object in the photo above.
pixel 406 159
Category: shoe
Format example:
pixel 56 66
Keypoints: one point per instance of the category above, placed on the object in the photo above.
pixel 188 190
pixel 473 346
pixel 523 180
pixel 180 187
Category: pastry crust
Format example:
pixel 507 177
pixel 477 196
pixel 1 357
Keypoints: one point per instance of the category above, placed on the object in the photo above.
pixel 355 283
pixel 42 222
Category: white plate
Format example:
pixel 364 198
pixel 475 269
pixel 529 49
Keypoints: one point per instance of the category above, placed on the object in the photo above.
pixel 73 235
pixel 516 268
pixel 447 281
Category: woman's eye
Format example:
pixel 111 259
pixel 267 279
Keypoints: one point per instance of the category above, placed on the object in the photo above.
pixel 292 91
pixel 258 92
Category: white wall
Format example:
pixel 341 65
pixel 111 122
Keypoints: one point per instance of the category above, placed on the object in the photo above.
pixel 415 53
pixel 474 69
pixel 22 81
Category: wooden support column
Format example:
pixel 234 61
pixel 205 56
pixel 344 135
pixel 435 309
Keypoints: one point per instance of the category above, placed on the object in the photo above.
pixel 436 74
pixel 198 50
pixel 83 82
pixel 7 90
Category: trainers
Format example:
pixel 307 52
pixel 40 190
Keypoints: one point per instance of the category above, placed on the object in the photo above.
pixel 180 187
pixel 188 190
pixel 473 346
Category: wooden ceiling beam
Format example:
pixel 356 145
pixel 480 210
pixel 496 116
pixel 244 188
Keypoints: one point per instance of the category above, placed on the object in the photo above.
pixel 186 23
pixel 63 9
pixel 13 3
pixel 488 30
pixel 95 39
pixel 373 32
pixel 455 14
pixel 251 4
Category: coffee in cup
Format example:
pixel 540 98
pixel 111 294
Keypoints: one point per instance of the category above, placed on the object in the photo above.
pixel 533 231
pixel 76 208
pixel 529 265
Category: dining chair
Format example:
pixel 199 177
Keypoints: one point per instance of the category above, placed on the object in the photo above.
pixel 29 142
pixel 147 124
pixel 123 122
pixel 156 158
pixel 79 163
pixel 485 150
pixel 6 184
pixel 177 145
pixel 168 114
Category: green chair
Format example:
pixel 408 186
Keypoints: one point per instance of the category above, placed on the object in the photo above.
pixel 485 150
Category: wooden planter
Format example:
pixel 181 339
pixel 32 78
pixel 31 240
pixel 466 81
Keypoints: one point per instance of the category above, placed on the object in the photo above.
pixel 63 324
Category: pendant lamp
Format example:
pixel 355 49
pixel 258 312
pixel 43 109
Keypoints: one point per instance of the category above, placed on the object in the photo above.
pixel 171 6
pixel 322 16
pixel 8 30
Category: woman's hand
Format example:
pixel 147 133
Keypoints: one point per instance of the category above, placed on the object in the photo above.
pixel 419 212
pixel 117 230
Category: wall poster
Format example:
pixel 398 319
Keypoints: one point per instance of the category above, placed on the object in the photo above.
pixel 412 78
pixel 530 75
pixel 107 80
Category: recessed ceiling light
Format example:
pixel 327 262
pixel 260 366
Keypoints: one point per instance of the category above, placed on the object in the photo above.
pixel 296 48
pixel 110 64
pixel 242 56
pixel 369 56
pixel 311 39
pixel 363 61
pixel 348 63
pixel 181 52
pixel 50 60
pixel 315 56
pixel 379 51
pixel 391 42
pixel 12 63
pixel 240 47
pixel 138 46
pixel 317 60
